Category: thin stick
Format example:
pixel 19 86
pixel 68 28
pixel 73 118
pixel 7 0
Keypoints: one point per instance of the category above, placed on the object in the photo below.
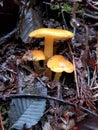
pixel 1 123
pixel 34 96
pixel 92 6
pixel 87 110
pixel 76 79
pixel 74 10
pixel 93 79
pixel 31 71
pixel 75 73
pixel 92 88
pixel 63 17
pixel 4 38
pixel 44 97
pixel 97 52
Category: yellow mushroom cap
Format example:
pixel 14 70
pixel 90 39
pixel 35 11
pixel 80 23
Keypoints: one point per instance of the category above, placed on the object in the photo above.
pixel 57 34
pixel 58 63
pixel 33 55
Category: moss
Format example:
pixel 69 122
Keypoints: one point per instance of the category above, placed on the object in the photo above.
pixel 64 6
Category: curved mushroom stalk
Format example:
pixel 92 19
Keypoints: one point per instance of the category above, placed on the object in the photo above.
pixel 36 56
pixel 59 64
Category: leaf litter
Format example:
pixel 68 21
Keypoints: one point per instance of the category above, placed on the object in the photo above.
pixel 77 92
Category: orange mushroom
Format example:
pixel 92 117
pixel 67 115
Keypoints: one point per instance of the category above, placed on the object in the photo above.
pixel 34 55
pixel 50 36
pixel 59 64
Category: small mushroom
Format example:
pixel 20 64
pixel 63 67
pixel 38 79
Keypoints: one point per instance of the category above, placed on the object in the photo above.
pixel 34 55
pixel 50 35
pixel 59 64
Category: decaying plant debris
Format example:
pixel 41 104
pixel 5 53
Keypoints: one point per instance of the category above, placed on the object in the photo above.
pixel 68 102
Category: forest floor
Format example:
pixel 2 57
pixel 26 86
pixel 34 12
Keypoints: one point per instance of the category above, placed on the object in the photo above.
pixel 26 90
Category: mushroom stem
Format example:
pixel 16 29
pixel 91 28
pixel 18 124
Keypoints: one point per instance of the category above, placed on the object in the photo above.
pixel 48 51
pixel 57 76
pixel 48 47
pixel 36 67
pixel 49 74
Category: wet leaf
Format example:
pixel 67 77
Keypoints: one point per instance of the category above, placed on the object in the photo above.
pixel 27 111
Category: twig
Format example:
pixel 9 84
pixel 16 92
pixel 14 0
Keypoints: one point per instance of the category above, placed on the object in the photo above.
pixel 47 3
pixel 1 123
pixel 87 110
pixel 74 22
pixel 94 88
pixel 34 96
pixel 86 40
pixel 9 96
pixel 74 10
pixel 93 79
pixel 28 69
pixel 75 73
pixel 76 78
pixel 5 68
pixel 4 38
pixel 57 103
pixel 74 27
pixel 91 5
pixel 88 73
pixel 97 52
pixel 93 25
pixel 87 53
pixel 63 17
pixel 96 67
pixel 66 0
pixel 91 16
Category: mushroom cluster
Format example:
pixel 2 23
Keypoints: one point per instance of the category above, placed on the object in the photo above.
pixel 55 63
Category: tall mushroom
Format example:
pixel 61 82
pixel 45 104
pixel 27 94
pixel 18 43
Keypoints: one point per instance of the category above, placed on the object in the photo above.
pixel 34 55
pixel 50 35
pixel 59 64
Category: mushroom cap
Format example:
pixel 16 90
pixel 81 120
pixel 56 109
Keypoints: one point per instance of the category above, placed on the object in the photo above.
pixel 58 63
pixel 56 34
pixel 34 55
